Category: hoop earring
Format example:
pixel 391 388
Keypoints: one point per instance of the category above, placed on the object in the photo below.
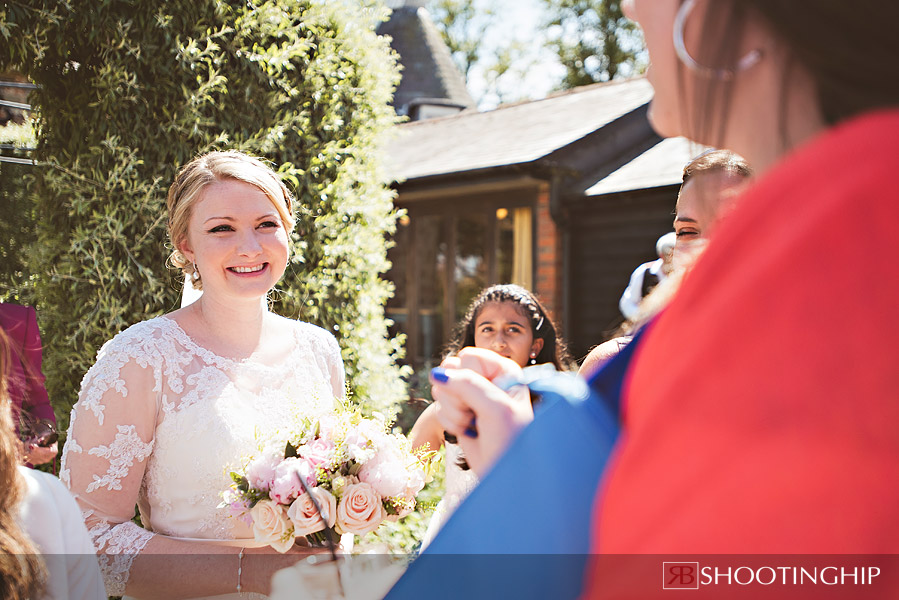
pixel 680 22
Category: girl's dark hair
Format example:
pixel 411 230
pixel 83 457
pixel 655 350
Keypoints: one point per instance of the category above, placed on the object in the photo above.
pixel 542 326
pixel 850 50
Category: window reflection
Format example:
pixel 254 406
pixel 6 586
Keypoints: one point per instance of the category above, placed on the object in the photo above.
pixel 471 263
pixel 431 253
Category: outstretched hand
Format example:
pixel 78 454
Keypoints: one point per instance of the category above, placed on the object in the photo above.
pixel 39 455
pixel 465 397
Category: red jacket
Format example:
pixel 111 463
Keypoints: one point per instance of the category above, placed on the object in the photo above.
pixel 762 409
pixel 26 381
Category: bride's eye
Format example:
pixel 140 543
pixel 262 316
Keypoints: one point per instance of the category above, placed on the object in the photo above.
pixel 220 229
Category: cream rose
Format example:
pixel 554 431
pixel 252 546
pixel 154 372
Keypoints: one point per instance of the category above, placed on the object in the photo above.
pixel 306 519
pixel 271 526
pixel 360 510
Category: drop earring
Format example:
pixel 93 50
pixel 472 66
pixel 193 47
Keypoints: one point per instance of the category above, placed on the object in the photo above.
pixel 195 276
pixel 680 47
pixel 533 360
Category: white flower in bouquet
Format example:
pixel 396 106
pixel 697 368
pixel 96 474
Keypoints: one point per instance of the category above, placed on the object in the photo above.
pixel 261 471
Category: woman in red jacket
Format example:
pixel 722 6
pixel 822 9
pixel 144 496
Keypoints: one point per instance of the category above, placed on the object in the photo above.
pixel 32 413
pixel 759 412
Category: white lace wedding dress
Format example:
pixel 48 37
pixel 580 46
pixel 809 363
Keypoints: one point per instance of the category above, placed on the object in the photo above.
pixel 457 485
pixel 161 421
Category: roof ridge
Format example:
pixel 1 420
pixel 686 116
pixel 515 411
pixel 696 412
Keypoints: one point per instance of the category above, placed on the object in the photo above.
pixel 572 91
pixel 569 92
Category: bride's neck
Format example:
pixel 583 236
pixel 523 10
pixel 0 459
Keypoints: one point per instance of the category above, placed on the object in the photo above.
pixel 233 329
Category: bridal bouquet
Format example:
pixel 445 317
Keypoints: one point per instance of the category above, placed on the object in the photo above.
pixel 356 472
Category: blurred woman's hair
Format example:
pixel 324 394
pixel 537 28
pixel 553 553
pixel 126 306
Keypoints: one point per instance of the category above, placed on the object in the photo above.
pixel 717 161
pixel 22 572
pixel 851 52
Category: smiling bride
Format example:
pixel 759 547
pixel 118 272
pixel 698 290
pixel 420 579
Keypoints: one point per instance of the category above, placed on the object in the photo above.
pixel 176 402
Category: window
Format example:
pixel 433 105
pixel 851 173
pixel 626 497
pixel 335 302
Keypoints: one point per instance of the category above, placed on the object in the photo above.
pixel 446 251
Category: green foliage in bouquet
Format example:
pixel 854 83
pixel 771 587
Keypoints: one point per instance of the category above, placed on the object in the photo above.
pixel 132 90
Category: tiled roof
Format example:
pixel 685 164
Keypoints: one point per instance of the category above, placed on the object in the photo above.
pixel 510 135
pixel 428 69
pixel 661 165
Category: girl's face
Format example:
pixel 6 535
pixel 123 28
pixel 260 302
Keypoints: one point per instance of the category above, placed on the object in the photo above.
pixel 237 240
pixel 505 328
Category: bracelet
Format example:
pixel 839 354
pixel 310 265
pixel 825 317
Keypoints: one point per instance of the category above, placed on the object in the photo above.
pixel 239 568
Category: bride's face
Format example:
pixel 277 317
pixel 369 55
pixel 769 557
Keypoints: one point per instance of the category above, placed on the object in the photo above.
pixel 237 240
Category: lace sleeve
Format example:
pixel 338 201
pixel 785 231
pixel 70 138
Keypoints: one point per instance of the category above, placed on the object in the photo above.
pixel 110 438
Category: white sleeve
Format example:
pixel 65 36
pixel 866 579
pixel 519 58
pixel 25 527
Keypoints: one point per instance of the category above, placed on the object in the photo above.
pixel 110 438
pixel 52 519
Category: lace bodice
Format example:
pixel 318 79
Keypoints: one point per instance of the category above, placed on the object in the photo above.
pixel 161 421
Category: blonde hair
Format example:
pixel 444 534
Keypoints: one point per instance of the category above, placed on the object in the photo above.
pixel 195 176
pixel 22 572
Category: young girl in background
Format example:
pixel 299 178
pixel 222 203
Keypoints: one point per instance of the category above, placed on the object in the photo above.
pixel 509 320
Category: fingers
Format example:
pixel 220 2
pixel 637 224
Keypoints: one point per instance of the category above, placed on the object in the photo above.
pixel 450 409
pixel 486 363
pixel 462 395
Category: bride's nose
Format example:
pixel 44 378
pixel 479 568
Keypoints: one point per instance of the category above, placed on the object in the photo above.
pixel 249 245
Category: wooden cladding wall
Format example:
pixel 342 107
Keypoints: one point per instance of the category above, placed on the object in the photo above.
pixel 609 237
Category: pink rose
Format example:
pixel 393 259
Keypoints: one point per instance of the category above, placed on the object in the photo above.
pixel 388 471
pixel 261 472
pixel 360 510
pixel 306 519
pixel 319 452
pixel 286 484
pixel 271 526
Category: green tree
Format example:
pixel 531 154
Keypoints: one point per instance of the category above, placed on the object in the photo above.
pixel 131 90
pixel 463 26
pixel 593 40
pixel 471 30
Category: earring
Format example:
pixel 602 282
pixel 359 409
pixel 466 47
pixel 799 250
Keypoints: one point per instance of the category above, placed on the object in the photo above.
pixel 195 276
pixel 680 22
pixel 533 360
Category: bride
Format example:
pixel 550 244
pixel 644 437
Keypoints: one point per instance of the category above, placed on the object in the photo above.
pixel 173 404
